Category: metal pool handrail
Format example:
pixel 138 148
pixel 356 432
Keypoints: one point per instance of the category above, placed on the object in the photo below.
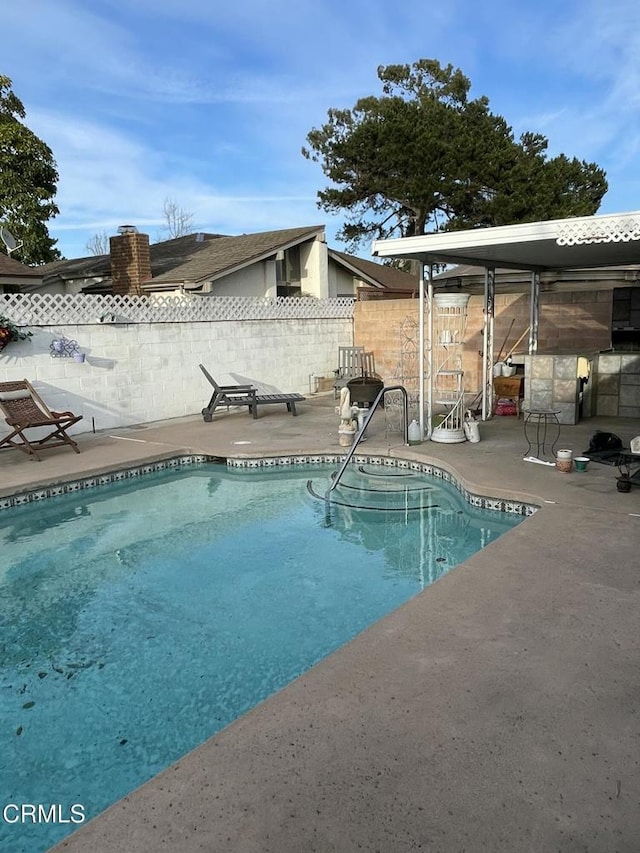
pixel 360 435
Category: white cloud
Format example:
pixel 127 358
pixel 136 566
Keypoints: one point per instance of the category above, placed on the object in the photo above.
pixel 108 178
pixel 83 50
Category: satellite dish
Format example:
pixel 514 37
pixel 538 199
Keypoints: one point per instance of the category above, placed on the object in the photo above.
pixel 9 240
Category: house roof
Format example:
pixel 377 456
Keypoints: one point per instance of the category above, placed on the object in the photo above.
pixel 14 269
pixel 191 259
pixel 580 242
pixel 188 261
pixel 165 256
pixel 376 274
pixel 228 254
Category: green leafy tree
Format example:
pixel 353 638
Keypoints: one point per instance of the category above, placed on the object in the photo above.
pixel 28 180
pixel 425 157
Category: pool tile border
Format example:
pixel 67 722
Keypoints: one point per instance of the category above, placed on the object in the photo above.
pixel 513 507
pixel 91 482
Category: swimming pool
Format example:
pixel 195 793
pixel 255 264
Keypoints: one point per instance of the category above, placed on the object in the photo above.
pixel 141 617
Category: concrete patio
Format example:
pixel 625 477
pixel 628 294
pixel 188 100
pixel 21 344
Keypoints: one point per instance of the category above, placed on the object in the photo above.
pixel 496 711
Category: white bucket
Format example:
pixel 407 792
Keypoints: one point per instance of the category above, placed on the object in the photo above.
pixel 472 431
pixel 471 428
pixel 564 460
pixel 497 368
pixel 508 370
pixel 346 436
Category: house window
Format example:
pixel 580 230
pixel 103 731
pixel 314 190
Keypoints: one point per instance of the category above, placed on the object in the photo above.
pixel 289 290
pixel 625 325
pixel 288 279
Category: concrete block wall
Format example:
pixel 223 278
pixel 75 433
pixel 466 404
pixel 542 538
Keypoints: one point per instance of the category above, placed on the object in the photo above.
pixel 136 373
pixel 511 319
pixel 575 321
pixel 377 327
pixel 569 322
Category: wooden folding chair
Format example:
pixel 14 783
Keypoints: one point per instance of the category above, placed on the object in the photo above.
pixel 24 409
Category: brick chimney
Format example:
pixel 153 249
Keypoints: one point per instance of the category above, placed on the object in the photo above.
pixel 130 260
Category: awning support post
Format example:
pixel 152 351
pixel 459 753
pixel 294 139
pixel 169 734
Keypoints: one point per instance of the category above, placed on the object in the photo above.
pixel 534 312
pixel 430 352
pixel 421 398
pixel 487 341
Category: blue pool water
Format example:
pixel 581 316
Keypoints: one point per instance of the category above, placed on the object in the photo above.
pixel 140 618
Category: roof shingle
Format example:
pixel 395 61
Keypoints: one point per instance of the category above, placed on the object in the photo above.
pixel 11 267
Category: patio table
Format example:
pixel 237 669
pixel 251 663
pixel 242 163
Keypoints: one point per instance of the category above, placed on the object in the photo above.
pixel 540 427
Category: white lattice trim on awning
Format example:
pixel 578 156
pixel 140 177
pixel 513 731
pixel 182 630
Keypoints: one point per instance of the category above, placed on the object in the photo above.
pixel 599 230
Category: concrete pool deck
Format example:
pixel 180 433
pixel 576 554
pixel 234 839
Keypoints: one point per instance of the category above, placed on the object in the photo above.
pixel 499 710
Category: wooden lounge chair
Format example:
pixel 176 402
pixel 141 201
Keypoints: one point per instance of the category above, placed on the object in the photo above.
pixel 24 409
pixel 244 395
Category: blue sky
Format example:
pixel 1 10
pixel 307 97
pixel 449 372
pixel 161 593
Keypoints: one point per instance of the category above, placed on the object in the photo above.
pixel 208 103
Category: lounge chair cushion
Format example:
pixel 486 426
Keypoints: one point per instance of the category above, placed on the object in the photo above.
pixel 14 395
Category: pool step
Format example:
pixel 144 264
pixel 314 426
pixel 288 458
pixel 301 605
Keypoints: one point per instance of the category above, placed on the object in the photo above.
pixel 387 490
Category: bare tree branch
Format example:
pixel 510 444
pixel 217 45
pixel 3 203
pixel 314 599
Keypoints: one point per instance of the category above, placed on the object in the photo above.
pixel 178 221
pixel 98 244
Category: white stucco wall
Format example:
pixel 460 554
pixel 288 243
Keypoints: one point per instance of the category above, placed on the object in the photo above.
pixel 341 281
pixel 142 372
pixel 251 281
pixel 314 258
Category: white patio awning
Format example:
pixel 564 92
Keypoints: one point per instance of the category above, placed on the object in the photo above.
pixel 581 242
pixel 575 243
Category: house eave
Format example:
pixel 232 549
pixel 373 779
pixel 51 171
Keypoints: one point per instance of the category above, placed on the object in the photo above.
pixel 358 273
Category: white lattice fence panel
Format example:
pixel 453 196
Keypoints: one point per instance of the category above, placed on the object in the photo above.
pixel 46 309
